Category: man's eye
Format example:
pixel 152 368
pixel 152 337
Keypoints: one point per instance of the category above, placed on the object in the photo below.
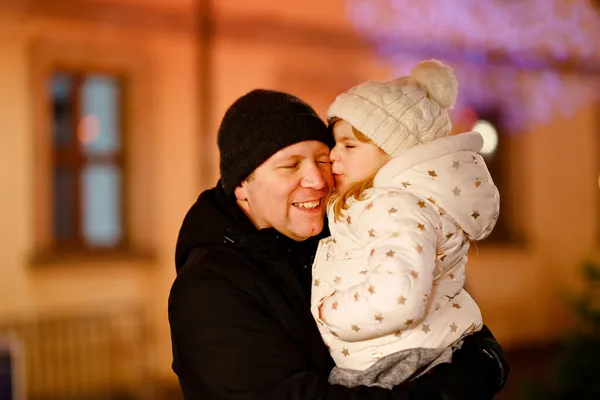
pixel 349 146
pixel 324 162
pixel 290 166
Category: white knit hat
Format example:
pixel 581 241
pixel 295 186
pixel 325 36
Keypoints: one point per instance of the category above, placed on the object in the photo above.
pixel 399 114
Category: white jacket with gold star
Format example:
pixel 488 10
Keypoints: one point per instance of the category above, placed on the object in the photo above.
pixel 391 275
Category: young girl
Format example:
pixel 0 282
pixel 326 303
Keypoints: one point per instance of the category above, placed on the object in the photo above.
pixel 388 283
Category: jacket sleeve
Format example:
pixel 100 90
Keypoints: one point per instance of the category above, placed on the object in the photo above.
pixel 227 347
pixel 398 231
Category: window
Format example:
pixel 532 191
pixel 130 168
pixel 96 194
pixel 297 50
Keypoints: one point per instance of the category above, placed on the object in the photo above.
pixel 501 153
pixel 87 152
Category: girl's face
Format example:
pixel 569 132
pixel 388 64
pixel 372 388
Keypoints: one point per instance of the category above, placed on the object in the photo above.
pixel 354 157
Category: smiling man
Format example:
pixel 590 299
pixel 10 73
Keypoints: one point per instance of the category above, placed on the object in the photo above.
pixel 239 309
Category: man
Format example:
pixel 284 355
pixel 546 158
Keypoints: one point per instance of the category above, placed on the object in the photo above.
pixel 241 326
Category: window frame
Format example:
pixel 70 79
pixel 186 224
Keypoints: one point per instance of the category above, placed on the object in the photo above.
pixel 132 67
pixel 74 159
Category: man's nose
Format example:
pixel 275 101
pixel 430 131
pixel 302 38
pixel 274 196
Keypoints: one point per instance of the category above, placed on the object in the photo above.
pixel 314 178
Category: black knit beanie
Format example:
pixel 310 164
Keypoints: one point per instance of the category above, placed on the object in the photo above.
pixel 258 125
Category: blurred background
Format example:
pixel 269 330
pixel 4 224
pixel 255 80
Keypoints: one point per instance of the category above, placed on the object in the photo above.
pixel 108 116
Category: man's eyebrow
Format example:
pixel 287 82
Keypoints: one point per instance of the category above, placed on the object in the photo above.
pixel 290 157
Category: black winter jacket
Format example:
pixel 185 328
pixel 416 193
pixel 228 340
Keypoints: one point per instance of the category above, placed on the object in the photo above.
pixel 241 327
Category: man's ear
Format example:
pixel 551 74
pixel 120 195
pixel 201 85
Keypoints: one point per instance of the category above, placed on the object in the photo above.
pixel 241 192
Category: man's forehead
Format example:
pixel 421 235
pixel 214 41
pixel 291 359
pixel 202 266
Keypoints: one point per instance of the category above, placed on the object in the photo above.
pixel 305 149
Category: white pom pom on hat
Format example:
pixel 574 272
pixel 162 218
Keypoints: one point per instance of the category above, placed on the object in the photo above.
pixel 439 80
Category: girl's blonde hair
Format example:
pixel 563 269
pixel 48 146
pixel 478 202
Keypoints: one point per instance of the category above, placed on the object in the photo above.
pixel 356 189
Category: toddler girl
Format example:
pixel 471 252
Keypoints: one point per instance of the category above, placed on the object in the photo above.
pixel 409 199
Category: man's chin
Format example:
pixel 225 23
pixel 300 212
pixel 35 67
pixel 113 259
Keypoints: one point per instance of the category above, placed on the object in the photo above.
pixel 308 231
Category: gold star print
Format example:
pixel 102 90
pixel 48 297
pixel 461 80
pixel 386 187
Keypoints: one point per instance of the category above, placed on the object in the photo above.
pixel 345 352
pixel 398 333
pixel 369 206
pixel 431 199
pixel 371 289
pixel 406 184
pixel 392 211
pixel 426 328
pixel 334 241
pixel 317 282
pixel 408 322
pixel 378 318
pixel 349 220
pixel 474 158
pixel 421 203
pixel 356 296
pixel 442 212
pixel 337 280
pixel 364 272
pixel 475 214
pixel 453 327
pixel 448 236
pixel 414 274
pixel 477 183
pixel 402 300
pixel 355 328
pixel 371 232
pixel 451 276
pixel 456 164
pixel 390 253
pixel 442 257
pixel 372 252
pixel 335 305
pixel 421 227
pixel 395 234
pixel 327 257
pixel 456 305
pixel 432 173
pixel 419 249
pixel 456 191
